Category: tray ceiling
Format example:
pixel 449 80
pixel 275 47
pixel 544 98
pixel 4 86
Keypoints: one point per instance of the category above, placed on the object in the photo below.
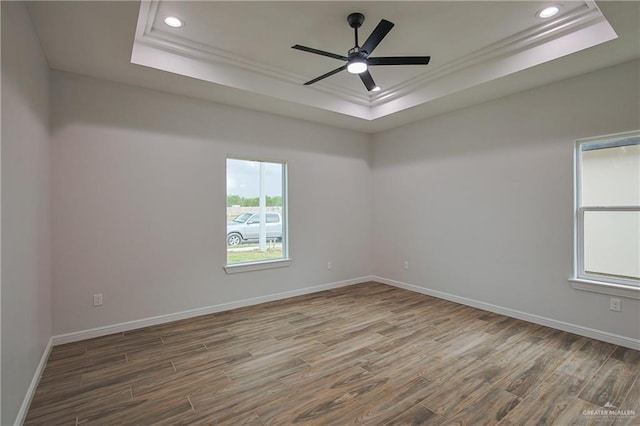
pixel 247 45
pixel 239 52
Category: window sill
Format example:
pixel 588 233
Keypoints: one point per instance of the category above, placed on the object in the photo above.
pixel 256 266
pixel 606 288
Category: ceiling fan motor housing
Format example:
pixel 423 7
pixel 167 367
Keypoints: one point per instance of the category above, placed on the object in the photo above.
pixel 355 52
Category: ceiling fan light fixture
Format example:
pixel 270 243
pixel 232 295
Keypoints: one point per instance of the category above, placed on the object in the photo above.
pixel 357 67
pixel 359 58
pixel 173 22
pixel 548 12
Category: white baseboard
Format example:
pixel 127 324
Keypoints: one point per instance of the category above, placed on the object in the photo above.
pixel 536 319
pixel 31 390
pixel 161 319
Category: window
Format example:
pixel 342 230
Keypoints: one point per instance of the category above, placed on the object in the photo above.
pixel 256 215
pixel 608 211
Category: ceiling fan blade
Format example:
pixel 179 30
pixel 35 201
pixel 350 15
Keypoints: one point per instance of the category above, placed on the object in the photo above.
pixel 329 74
pixel 367 80
pixel 320 52
pixel 376 36
pixel 399 60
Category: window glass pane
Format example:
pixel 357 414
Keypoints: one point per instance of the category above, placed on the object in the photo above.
pixel 612 243
pixel 255 191
pixel 610 176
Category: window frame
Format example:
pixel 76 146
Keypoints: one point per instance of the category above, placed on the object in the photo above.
pixel 582 279
pixel 285 260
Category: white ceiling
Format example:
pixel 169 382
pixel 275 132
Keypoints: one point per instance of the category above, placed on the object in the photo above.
pixel 239 53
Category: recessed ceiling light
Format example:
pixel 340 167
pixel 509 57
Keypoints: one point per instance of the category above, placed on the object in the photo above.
pixel 548 12
pixel 376 89
pixel 173 22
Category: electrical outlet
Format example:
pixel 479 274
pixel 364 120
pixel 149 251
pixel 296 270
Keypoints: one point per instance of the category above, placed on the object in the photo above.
pixel 329 265
pixel 406 264
pixel 97 299
pixel 614 304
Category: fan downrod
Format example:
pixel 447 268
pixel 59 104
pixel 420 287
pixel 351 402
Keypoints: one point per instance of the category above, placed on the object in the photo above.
pixel 355 20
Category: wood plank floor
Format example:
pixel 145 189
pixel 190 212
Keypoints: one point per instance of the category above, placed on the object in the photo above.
pixel 365 354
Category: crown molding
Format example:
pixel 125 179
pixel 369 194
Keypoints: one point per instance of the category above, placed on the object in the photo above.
pixel 579 18
pixel 168 42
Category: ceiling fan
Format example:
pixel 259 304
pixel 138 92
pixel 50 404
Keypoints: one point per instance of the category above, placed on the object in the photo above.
pixel 358 58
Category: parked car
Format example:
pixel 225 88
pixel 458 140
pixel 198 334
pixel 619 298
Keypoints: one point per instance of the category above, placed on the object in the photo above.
pixel 246 227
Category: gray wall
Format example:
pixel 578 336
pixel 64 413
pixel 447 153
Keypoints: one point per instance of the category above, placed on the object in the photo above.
pixel 26 212
pixel 480 200
pixel 139 202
